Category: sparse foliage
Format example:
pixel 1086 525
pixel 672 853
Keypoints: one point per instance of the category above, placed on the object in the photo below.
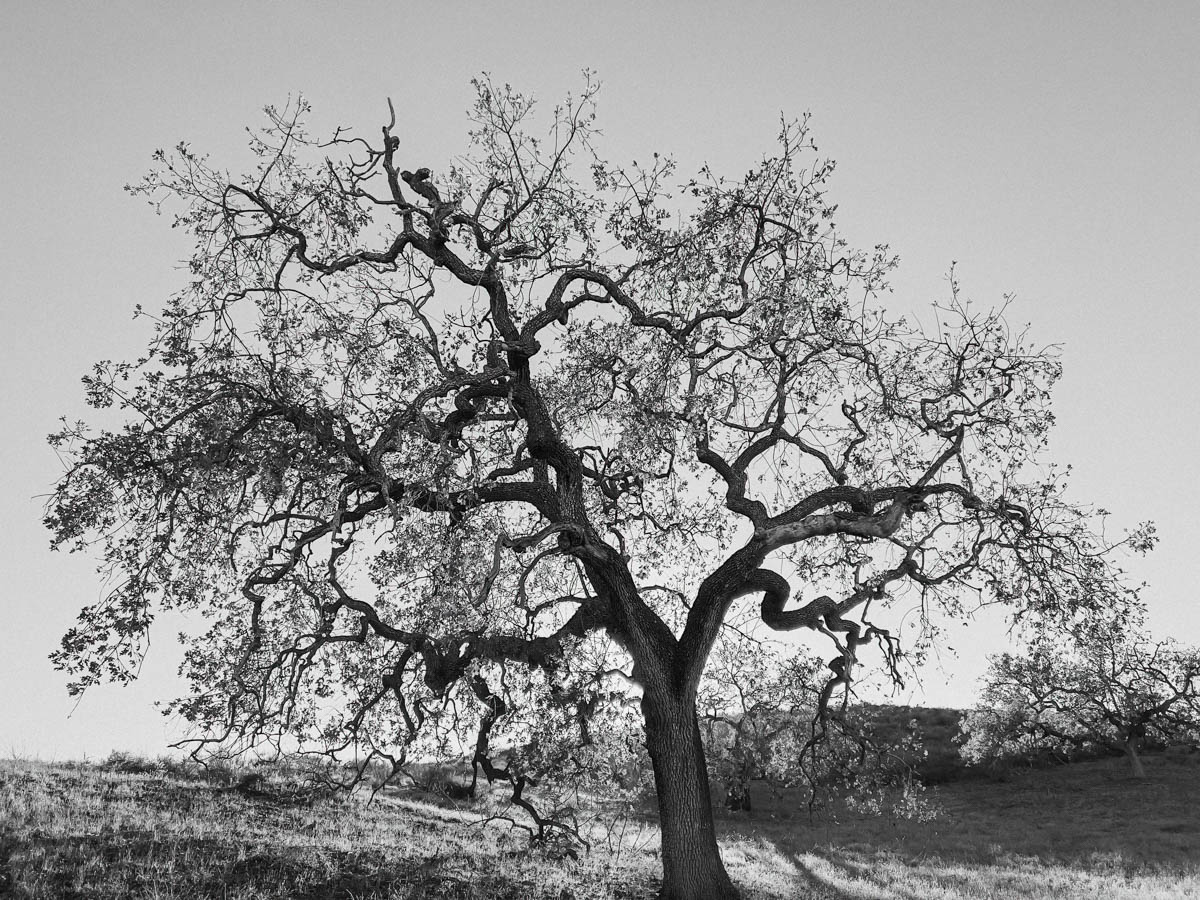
pixel 476 458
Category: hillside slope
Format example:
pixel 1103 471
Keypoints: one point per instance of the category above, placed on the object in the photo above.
pixel 1084 830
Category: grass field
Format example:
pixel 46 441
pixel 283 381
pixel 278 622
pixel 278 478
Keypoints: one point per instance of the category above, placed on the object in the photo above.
pixel 1083 830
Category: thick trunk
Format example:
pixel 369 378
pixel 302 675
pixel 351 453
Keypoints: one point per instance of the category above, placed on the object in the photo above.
pixel 1135 759
pixel 692 868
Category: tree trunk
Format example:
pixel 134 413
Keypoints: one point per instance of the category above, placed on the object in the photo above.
pixel 692 868
pixel 737 794
pixel 1135 760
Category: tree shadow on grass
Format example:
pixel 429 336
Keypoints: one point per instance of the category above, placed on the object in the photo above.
pixel 1091 819
pixel 843 873
pixel 848 874
pixel 816 885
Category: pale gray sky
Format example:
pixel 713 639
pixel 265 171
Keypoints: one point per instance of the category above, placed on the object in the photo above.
pixel 1051 149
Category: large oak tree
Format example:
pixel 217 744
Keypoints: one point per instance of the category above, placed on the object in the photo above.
pixel 497 439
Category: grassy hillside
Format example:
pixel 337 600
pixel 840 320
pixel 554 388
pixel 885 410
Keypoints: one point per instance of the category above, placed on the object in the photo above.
pixel 1083 830
pixel 937 728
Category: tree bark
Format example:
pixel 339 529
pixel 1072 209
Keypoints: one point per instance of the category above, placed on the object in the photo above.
pixel 692 867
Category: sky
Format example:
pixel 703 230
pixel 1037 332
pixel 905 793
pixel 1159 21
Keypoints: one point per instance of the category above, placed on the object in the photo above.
pixel 1049 149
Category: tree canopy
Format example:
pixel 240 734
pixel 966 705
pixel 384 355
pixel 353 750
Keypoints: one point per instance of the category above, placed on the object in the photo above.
pixel 467 457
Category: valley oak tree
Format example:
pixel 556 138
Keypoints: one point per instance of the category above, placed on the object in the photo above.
pixel 508 440
pixel 1112 689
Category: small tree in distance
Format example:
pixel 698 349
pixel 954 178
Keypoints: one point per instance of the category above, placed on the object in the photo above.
pixel 761 719
pixel 1109 690
pixel 755 705
pixel 466 458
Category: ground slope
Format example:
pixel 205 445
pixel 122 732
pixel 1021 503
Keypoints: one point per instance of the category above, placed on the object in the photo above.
pixel 1083 830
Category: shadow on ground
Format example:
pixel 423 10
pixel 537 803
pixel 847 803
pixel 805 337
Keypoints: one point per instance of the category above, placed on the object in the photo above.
pixel 1089 828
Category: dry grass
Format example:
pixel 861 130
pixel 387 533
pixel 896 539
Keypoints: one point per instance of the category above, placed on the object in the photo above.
pixel 1076 831
pixel 1085 830
pixel 78 832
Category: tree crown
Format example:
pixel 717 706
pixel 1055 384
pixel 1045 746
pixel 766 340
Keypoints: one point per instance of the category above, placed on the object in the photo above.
pixel 414 444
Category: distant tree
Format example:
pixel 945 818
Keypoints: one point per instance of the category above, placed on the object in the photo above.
pixel 761 720
pixel 474 458
pixel 1108 690
pixel 756 703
